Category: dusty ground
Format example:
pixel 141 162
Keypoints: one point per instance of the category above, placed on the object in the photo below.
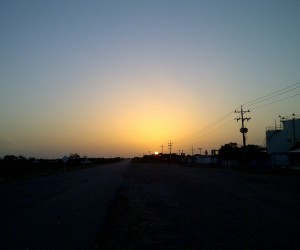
pixel 178 207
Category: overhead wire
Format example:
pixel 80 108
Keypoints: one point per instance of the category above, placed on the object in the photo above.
pixel 272 95
pixel 223 125
pixel 292 116
pixel 211 127
pixel 200 133
pixel 267 104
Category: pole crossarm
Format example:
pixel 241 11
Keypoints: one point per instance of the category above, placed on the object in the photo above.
pixel 162 149
pixel 243 129
pixel 170 144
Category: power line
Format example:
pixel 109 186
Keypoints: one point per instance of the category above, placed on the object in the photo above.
pixel 212 127
pixel 207 133
pixel 272 95
pixel 289 87
pixel 223 125
pixel 200 133
pixel 267 104
pixel 197 136
pixel 291 116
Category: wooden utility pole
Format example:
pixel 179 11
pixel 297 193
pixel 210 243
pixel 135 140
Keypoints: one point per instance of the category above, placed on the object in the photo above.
pixel 170 144
pixel 192 149
pixel 162 149
pixel 243 130
pixel 200 150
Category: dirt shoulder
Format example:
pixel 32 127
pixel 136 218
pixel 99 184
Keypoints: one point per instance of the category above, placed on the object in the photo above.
pixel 178 207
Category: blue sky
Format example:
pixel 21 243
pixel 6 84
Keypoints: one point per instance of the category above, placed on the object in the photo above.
pixel 123 77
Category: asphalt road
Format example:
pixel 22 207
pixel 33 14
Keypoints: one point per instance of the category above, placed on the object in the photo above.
pixel 179 207
pixel 65 211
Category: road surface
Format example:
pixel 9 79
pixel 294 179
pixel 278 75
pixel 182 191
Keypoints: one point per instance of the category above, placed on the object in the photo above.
pixel 179 207
pixel 65 211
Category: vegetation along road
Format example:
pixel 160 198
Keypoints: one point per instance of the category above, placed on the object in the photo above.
pixel 64 211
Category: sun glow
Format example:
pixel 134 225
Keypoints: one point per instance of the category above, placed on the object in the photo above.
pixel 156 153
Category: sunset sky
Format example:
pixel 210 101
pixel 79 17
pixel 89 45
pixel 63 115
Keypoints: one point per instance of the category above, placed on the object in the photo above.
pixel 122 77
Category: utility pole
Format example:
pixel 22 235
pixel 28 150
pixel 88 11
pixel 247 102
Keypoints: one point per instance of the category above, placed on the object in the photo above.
pixel 192 149
pixel 243 129
pixel 170 144
pixel 180 152
pixel 162 149
pixel 200 150
pixel 294 131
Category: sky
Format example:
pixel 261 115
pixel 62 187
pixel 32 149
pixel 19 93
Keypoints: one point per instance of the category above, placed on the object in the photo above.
pixel 123 77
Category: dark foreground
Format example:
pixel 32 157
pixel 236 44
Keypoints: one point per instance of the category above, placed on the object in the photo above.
pixel 64 211
pixel 177 207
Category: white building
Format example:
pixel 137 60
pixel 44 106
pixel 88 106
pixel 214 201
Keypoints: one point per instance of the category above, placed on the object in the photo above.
pixel 281 141
pixel 206 160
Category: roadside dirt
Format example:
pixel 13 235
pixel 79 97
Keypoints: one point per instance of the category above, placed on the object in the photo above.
pixel 178 207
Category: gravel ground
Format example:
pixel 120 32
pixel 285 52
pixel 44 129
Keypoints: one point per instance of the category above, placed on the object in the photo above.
pixel 179 207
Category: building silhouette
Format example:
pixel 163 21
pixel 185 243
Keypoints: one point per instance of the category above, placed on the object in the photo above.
pixel 283 143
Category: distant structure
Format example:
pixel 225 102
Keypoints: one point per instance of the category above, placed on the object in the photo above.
pixel 199 150
pixel 162 149
pixel 283 142
pixel 244 131
pixel 170 144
